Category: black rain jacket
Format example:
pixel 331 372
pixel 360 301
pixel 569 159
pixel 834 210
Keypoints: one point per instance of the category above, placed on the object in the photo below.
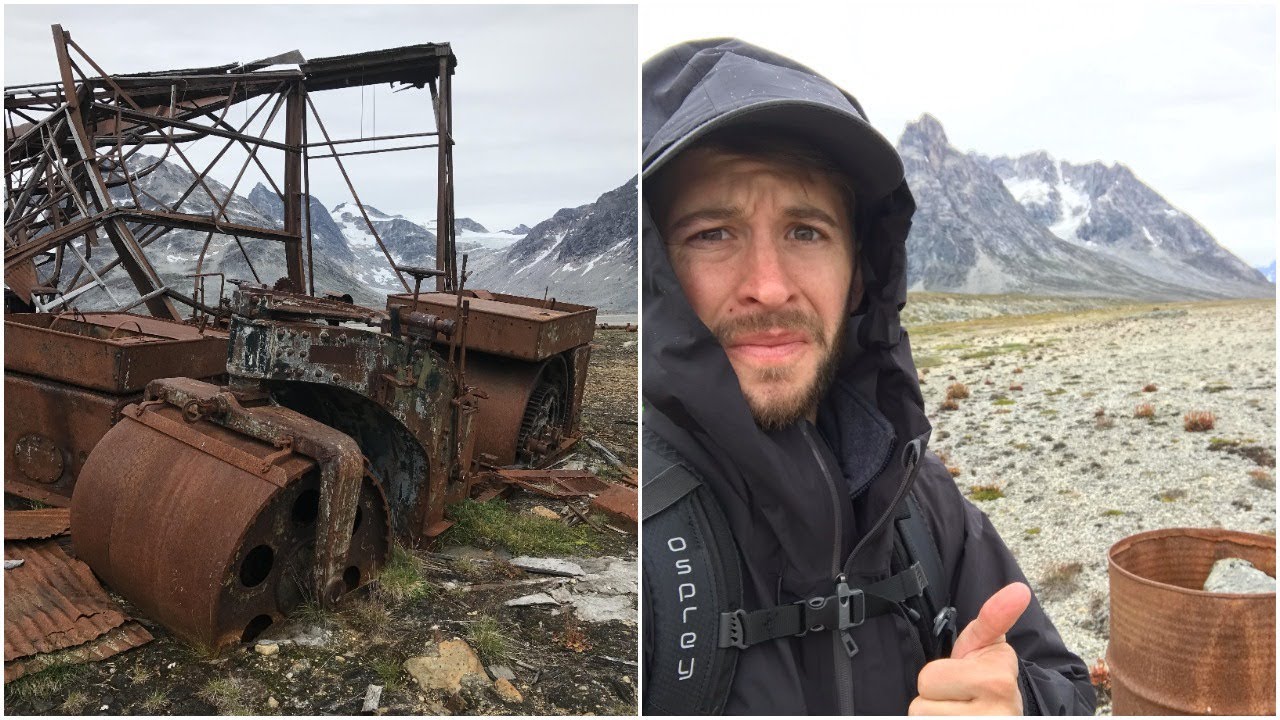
pixel 807 503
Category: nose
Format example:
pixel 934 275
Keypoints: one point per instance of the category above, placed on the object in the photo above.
pixel 770 280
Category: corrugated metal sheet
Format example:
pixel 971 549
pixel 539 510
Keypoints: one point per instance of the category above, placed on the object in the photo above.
pixel 36 524
pixel 52 601
pixel 126 637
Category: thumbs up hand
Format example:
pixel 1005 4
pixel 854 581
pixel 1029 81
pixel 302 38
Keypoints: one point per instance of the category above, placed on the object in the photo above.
pixel 981 676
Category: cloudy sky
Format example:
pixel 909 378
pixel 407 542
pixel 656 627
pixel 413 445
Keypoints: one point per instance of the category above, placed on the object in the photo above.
pixel 544 96
pixel 1184 95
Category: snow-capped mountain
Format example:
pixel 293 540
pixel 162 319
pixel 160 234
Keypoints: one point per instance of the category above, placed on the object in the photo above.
pixel 1038 226
pixel 583 252
pixel 1268 272
pixel 347 258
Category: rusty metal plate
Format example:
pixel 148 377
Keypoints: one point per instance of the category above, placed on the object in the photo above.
pixel 36 524
pixel 116 640
pixel 51 426
pixel 510 325
pixel 557 484
pixel 117 353
pixel 1175 649
pixel 52 601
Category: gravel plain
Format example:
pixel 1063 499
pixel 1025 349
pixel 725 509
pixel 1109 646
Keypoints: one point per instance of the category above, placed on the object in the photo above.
pixel 1052 424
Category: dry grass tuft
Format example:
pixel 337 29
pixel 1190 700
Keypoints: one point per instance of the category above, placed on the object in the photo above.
pixel 1015 387
pixel 949 404
pixel 1149 387
pixel 957 391
pixel 1017 370
pixel 1198 421
pixel 1061 580
pixel 572 637
pixel 1262 479
pixel 945 457
pixel 983 493
pixel 1145 411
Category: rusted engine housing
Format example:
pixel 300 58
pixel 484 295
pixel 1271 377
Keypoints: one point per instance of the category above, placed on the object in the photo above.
pixel 68 376
pixel 530 358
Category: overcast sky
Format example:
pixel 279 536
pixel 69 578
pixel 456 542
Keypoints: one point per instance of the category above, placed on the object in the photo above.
pixel 1184 95
pixel 545 109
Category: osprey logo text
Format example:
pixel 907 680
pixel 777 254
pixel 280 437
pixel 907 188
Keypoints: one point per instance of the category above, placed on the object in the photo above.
pixel 685 592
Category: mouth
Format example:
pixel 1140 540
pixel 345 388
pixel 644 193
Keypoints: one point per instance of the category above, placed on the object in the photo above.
pixel 770 346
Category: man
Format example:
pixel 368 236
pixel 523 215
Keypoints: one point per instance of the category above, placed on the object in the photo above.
pixel 781 404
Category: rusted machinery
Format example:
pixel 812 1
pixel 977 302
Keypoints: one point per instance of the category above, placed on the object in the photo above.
pixel 273 462
pixel 67 377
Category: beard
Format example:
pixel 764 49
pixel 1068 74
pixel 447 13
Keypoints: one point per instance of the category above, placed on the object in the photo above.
pixel 773 411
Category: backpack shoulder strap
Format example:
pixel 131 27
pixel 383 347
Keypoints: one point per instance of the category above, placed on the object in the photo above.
pixel 691 575
pixel 931 611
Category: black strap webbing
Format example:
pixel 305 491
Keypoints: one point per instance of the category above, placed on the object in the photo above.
pixel 743 629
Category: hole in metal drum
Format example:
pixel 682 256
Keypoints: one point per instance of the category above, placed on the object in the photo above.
pixel 255 628
pixel 359 517
pixel 307 507
pixel 257 565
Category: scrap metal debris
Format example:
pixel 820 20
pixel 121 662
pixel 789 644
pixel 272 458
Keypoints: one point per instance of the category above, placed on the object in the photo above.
pixel 36 524
pixel 53 603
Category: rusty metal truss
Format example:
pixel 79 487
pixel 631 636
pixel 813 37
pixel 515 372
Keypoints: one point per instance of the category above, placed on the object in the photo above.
pixel 72 167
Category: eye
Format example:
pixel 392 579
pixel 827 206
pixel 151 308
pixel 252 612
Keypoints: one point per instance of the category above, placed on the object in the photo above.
pixel 806 233
pixel 712 235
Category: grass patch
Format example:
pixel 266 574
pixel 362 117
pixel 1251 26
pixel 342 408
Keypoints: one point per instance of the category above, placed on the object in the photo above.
pixel 1218 443
pixel 1055 391
pixel 957 391
pixel 75 703
pixel 52 680
pixel 1144 411
pixel 226 694
pixel 1170 495
pixel 491 523
pixel 1216 388
pixel 927 361
pixel 1112 513
pixel 998 350
pixel 949 404
pixel 1198 421
pixel 1033 531
pixel 155 702
pixel 1002 400
pixel 1061 579
pixel 983 493
pixel 401 578
pixel 390 673
pixel 486 636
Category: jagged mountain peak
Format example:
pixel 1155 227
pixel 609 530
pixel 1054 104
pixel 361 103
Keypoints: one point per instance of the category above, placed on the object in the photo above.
pixel 925 132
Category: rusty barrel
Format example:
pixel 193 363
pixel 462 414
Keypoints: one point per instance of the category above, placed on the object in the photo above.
pixel 1178 650
pixel 207 531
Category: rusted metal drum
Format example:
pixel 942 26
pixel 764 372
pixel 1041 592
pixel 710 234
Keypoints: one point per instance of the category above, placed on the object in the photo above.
pixel 207 531
pixel 514 416
pixel 1178 650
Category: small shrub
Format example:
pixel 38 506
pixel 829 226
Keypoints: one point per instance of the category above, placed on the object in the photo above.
pixel 1262 479
pixel 1145 411
pixel 225 694
pixel 983 493
pixel 390 673
pixel 1061 579
pixel 1198 421
pixel 572 637
pixel 1015 387
pixel 949 404
pixel 1149 387
pixel 75 703
pixel 1102 421
pixel 957 391
pixel 1170 495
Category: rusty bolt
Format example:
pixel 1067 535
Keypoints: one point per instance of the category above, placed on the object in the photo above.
pixel 336 377
pixel 280 334
pixel 319 372
pixel 324 335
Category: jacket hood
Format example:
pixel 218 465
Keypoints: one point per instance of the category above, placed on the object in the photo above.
pixel 691 394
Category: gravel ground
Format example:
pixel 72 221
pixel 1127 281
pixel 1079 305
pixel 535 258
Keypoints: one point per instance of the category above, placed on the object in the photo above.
pixel 1051 422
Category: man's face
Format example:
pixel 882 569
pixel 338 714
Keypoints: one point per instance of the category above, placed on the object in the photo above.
pixel 764 252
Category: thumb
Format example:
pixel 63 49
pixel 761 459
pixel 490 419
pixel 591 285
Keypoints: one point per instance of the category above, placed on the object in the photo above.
pixel 995 618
